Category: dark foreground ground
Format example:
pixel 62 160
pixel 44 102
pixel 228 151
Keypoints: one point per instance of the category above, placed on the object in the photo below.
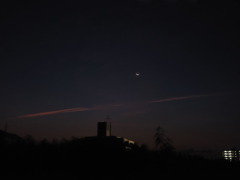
pixel 76 160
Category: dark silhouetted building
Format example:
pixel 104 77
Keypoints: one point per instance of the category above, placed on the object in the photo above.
pixel 104 129
pixel 104 140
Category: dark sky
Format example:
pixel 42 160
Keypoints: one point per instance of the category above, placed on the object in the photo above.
pixel 66 65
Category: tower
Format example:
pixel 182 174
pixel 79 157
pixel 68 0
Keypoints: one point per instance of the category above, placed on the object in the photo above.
pixel 104 129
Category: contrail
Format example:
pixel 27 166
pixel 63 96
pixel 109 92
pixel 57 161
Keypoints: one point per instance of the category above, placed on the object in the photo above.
pixel 57 112
pixel 81 109
pixel 180 98
pixel 78 109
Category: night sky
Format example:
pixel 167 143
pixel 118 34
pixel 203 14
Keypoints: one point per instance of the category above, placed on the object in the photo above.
pixel 66 65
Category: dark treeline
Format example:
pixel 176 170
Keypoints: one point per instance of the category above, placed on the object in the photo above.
pixel 77 159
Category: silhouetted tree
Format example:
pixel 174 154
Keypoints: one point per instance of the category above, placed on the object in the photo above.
pixel 162 142
pixel 29 139
pixel 144 147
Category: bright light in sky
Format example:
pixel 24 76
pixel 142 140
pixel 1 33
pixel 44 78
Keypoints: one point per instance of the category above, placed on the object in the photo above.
pixel 137 74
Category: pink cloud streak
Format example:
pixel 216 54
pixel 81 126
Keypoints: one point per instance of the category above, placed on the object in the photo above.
pixel 82 109
pixel 180 98
pixel 79 109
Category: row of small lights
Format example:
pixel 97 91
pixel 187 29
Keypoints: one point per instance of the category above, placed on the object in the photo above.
pixel 229 155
